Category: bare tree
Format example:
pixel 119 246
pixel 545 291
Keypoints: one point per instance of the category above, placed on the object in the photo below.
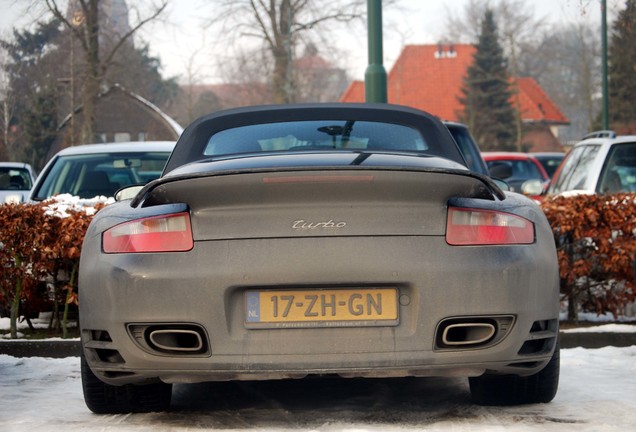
pixel 566 62
pixel 6 109
pixel 281 25
pixel 84 25
pixel 518 30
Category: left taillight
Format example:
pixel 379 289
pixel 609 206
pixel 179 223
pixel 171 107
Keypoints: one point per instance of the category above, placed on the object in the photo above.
pixel 467 226
pixel 167 233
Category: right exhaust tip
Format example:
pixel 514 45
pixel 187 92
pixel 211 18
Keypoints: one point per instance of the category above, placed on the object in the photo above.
pixel 467 334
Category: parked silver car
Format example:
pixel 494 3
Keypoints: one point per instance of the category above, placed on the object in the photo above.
pixel 324 239
pixel 599 164
pixel 16 180
pixel 92 170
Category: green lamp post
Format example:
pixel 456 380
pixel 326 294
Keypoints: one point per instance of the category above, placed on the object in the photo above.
pixel 375 75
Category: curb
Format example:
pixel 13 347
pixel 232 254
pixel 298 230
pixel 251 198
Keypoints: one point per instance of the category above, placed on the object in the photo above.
pixel 41 348
pixel 71 348
pixel 596 340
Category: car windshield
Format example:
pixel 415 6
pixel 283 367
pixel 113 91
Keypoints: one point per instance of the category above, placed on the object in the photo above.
pixel 15 179
pixel 550 163
pixel 619 173
pixel 575 170
pixel 316 135
pixel 90 175
pixel 520 171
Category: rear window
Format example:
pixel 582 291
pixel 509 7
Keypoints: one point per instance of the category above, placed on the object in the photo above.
pixel 15 179
pixel 316 135
pixel 87 176
pixel 521 169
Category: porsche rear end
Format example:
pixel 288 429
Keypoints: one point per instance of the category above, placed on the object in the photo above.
pixel 266 274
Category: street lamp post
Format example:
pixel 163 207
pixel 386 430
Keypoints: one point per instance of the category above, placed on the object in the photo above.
pixel 604 64
pixel 375 75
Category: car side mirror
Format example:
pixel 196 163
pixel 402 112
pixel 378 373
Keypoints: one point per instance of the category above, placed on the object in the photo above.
pixel 128 192
pixel 533 187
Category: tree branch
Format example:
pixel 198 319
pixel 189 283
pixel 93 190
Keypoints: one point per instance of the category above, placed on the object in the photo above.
pixel 106 63
pixel 52 5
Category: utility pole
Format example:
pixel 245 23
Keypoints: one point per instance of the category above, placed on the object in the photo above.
pixel 375 75
pixel 604 64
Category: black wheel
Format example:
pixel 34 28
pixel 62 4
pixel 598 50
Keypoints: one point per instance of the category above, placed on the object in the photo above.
pixel 516 390
pixel 102 398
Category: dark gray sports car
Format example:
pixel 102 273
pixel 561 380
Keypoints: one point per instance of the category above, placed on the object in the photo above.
pixel 306 240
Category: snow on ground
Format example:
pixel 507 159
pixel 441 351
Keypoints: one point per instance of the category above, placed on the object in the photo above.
pixel 605 328
pixel 597 393
pixel 43 322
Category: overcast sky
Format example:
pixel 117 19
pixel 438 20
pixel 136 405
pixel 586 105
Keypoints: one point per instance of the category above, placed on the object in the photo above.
pixel 180 39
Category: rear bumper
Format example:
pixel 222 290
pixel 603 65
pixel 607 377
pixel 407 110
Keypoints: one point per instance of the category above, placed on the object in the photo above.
pixel 121 296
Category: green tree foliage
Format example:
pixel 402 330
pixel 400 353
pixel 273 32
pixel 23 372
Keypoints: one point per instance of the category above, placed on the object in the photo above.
pixel 29 47
pixel 46 74
pixel 98 48
pixel 135 69
pixel 622 70
pixel 486 93
pixel 40 126
pixel 32 82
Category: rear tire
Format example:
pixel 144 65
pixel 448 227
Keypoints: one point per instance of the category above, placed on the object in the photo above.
pixel 102 398
pixel 517 390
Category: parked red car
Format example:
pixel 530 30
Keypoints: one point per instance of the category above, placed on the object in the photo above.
pixel 516 168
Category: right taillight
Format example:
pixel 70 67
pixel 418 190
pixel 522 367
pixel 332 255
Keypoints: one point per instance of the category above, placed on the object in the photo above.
pixel 467 226
pixel 168 233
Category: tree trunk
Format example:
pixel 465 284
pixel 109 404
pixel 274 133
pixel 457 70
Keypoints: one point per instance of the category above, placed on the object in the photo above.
pixel 573 314
pixel 281 80
pixel 93 73
pixel 15 304
pixel 282 51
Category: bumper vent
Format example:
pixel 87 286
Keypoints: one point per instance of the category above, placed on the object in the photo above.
pixel 100 344
pixel 541 339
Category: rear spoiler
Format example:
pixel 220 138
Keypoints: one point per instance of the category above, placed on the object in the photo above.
pixel 488 182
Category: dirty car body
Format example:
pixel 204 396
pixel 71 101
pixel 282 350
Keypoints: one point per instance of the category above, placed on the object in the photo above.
pixel 304 240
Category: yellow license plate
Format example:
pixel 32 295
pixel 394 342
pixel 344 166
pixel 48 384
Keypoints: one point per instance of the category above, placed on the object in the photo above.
pixel 321 308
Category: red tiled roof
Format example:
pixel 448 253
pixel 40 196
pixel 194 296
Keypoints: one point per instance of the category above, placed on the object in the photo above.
pixel 536 105
pixel 354 93
pixel 431 79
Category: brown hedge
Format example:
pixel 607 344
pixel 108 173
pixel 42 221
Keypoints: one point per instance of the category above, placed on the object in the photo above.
pixel 595 238
pixel 39 259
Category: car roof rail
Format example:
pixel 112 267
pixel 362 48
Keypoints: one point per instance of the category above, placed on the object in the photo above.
pixel 600 134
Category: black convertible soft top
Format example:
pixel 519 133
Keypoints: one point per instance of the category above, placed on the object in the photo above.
pixel 194 143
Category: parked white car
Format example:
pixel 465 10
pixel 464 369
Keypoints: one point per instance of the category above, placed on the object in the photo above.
pixel 16 180
pixel 99 170
pixel 598 165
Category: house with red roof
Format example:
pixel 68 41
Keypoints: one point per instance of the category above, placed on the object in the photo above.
pixel 430 78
